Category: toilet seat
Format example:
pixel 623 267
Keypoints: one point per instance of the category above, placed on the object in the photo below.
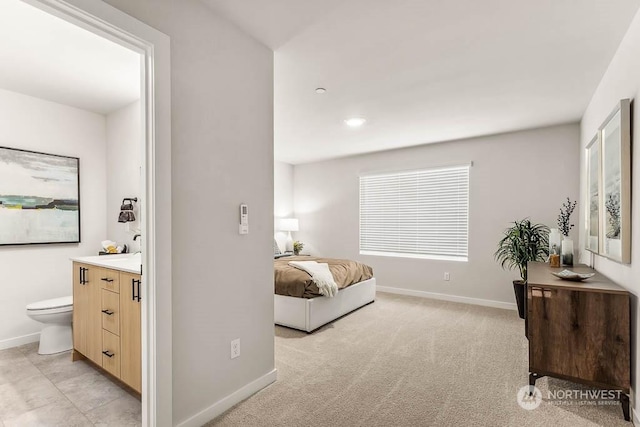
pixel 55 305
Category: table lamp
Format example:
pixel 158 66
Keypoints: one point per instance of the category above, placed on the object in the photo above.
pixel 289 225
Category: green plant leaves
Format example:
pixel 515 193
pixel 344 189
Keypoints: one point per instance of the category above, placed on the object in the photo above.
pixel 523 242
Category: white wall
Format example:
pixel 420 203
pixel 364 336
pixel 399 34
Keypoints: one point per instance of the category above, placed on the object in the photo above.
pixel 622 80
pixel 282 190
pixel 222 155
pixel 515 175
pixel 124 159
pixel 282 196
pixel 37 272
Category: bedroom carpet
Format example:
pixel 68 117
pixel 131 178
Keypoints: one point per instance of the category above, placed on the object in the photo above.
pixel 405 361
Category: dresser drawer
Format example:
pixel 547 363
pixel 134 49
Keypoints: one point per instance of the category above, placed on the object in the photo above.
pixel 111 311
pixel 109 279
pixel 111 353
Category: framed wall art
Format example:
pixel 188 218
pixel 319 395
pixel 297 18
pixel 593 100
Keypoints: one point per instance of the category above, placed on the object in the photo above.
pixel 39 198
pixel 615 197
pixel 593 195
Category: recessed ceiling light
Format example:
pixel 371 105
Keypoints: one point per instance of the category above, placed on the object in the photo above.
pixel 320 90
pixel 354 122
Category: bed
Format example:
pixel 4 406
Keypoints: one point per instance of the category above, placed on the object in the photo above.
pixel 298 304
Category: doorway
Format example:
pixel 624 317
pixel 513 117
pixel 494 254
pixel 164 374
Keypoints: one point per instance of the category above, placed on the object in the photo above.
pixel 152 47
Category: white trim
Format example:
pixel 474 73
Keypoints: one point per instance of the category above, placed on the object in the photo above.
pixel 228 402
pixel 109 22
pixel 22 340
pixel 634 417
pixel 447 297
pixel 441 166
pixel 416 256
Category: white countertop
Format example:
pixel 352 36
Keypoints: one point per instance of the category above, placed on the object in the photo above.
pixel 124 262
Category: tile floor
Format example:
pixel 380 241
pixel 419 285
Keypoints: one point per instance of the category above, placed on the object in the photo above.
pixel 52 390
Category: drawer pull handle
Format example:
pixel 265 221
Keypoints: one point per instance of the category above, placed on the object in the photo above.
pixel 135 284
pixel 108 354
pixel 106 279
pixel 108 312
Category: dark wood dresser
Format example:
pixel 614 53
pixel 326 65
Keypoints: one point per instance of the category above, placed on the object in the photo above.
pixel 579 331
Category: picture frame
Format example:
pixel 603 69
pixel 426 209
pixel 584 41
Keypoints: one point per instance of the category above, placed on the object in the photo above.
pixel 592 205
pixel 39 198
pixel 615 186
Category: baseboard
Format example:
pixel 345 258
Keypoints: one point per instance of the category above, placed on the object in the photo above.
pixel 15 342
pixel 447 297
pixel 221 406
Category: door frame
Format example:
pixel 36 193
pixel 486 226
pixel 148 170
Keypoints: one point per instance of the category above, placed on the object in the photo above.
pixel 154 48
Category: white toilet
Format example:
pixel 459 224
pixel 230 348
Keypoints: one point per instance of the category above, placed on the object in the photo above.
pixel 56 314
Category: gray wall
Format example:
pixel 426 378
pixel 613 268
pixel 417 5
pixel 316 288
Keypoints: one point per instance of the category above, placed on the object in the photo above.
pixel 222 155
pixel 515 175
pixel 620 81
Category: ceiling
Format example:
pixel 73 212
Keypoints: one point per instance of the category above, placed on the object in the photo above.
pixel 46 57
pixel 273 22
pixel 427 71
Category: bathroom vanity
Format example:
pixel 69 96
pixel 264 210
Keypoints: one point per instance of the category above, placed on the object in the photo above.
pixel 106 315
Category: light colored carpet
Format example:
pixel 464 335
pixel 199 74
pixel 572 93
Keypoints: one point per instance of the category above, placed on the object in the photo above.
pixel 406 361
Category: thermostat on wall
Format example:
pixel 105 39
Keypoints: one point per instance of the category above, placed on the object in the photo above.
pixel 244 219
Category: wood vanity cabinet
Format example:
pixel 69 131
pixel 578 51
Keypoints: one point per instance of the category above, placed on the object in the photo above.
pixel 579 331
pixel 130 331
pixel 87 327
pixel 107 322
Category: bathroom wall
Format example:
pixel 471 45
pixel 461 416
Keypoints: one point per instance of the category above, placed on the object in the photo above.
pixel 36 272
pixel 124 159
pixel 282 196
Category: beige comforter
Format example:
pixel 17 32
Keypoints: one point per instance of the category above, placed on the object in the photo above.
pixel 290 281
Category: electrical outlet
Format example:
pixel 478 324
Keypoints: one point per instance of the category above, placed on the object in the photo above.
pixel 446 276
pixel 235 348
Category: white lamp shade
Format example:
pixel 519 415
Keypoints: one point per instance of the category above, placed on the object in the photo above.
pixel 288 224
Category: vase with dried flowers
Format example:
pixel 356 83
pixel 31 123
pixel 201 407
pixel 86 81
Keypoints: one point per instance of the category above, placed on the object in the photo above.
pixel 565 226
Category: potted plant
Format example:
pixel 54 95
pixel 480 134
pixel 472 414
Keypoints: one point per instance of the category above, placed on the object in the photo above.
pixel 522 242
pixel 297 247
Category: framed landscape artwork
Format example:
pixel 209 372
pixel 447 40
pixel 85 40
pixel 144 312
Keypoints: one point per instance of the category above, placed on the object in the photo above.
pixel 39 198
pixel 615 198
pixel 593 195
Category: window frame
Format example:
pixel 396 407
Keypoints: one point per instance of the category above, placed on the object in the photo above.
pixel 409 255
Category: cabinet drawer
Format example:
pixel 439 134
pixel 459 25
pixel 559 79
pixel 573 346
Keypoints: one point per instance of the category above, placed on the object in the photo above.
pixel 109 279
pixel 111 311
pixel 111 353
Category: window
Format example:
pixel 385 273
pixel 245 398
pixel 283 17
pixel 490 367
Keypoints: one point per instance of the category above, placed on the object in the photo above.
pixel 416 214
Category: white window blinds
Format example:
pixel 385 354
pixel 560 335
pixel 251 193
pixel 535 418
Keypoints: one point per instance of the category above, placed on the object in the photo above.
pixel 420 214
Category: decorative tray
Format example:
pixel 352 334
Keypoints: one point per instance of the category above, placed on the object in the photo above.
pixel 573 276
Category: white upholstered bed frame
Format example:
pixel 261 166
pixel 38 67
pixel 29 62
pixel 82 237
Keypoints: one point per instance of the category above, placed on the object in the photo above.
pixel 308 314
